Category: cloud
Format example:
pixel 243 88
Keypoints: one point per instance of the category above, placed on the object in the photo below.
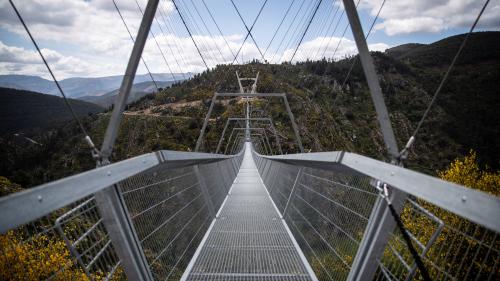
pixel 21 61
pixel 409 16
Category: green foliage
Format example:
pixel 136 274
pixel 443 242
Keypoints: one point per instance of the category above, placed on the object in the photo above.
pixel 24 110
pixel 464 116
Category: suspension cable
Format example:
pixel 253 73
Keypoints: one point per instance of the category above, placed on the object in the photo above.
pixel 167 22
pixel 218 28
pixel 133 41
pixel 411 140
pixel 208 30
pixel 197 30
pixel 307 28
pixel 190 35
pixel 326 30
pixel 157 44
pixel 355 60
pixel 249 30
pixel 294 37
pixel 287 30
pixel 406 236
pixel 87 138
pixel 279 26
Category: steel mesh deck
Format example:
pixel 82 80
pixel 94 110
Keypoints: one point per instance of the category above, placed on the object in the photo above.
pixel 248 240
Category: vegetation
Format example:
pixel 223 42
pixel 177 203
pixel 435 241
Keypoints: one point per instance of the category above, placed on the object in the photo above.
pixel 21 110
pixel 328 118
pixel 461 247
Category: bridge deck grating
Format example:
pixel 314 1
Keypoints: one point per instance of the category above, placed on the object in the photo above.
pixel 248 239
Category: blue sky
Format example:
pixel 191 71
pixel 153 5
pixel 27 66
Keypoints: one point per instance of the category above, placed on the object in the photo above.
pixel 87 38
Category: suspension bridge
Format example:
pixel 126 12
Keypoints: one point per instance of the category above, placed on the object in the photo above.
pixel 250 212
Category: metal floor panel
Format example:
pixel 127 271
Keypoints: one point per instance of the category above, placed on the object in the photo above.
pixel 248 241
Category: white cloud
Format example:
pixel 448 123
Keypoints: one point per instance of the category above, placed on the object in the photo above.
pixel 410 16
pixel 21 61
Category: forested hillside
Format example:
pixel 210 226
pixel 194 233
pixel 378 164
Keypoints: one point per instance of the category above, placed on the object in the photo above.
pixel 463 118
pixel 22 111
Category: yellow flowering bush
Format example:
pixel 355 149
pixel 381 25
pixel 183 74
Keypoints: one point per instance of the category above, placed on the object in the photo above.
pixel 36 259
pixel 465 171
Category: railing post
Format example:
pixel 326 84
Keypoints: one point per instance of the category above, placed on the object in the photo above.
pixel 381 223
pixel 204 190
pixel 109 201
pixel 294 126
pixel 205 122
pixel 121 231
pixel 222 137
pixel 290 197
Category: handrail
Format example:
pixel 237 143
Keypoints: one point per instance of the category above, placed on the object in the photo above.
pixel 28 205
pixel 476 206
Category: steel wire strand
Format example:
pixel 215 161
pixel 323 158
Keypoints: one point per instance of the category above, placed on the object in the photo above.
pixel 287 30
pixel 157 44
pixel 321 236
pixel 306 29
pixel 168 45
pixel 309 246
pixel 218 28
pixel 244 23
pixel 87 138
pixel 179 233
pixel 249 33
pixel 191 19
pixel 279 26
pixel 416 257
pixel 170 218
pixel 319 29
pixel 190 35
pixel 170 27
pixel 294 37
pixel 187 247
pixel 208 30
pixel 133 41
pixel 355 60
pixel 325 34
pixel 411 140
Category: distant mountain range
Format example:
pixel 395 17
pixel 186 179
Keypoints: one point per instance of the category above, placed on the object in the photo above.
pixel 77 87
pixel 23 110
pixel 138 91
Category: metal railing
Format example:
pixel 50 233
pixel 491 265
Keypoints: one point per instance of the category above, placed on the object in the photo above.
pixel 329 200
pixel 65 230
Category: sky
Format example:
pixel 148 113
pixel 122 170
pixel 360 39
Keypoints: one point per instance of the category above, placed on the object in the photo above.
pixel 86 38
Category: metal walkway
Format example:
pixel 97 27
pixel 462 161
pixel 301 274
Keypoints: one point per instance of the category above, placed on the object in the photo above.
pixel 248 240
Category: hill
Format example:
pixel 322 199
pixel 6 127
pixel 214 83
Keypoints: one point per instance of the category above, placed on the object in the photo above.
pixel 22 111
pixel 138 91
pixel 80 86
pixel 463 118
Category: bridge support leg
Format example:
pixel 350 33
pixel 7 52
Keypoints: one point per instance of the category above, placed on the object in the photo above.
pixel 381 223
pixel 126 85
pixel 117 222
pixel 205 123
pixel 294 126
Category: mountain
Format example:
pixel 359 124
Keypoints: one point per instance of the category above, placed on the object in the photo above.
pixel 138 91
pixel 465 115
pixel 22 111
pixel 80 86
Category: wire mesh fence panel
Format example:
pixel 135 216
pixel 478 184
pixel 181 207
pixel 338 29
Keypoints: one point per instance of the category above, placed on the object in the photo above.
pixel 170 213
pixel 68 244
pixel 451 247
pixel 327 212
